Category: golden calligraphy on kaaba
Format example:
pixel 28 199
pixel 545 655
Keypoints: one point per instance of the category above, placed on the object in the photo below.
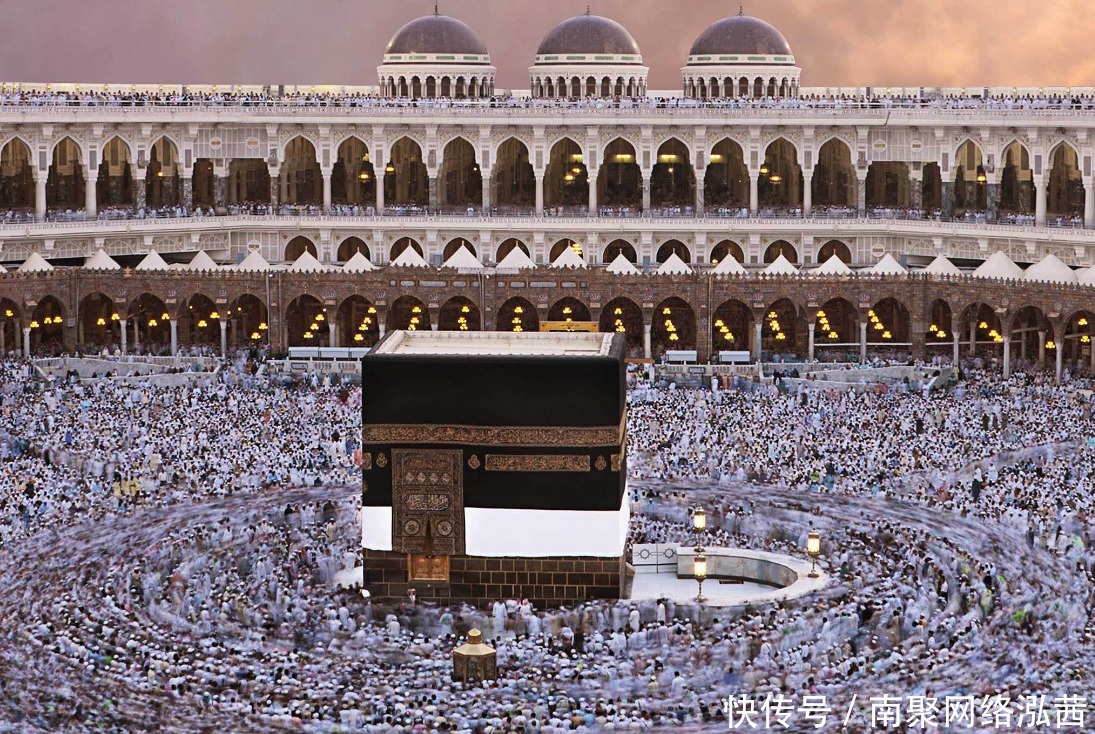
pixel 537 462
pixel 437 434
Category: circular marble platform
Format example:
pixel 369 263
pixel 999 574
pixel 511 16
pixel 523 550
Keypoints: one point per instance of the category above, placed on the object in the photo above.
pixel 755 577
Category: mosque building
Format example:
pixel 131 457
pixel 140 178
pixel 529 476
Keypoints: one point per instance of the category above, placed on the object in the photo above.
pixel 742 212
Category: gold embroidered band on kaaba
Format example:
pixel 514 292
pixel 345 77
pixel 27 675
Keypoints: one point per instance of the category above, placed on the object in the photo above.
pixel 439 434
pixel 536 462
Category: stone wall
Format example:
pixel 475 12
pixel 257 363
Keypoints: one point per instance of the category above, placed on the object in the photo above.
pixel 546 582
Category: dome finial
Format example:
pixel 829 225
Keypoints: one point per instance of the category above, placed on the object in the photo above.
pixel 741 10
pixel 436 11
pixel 588 12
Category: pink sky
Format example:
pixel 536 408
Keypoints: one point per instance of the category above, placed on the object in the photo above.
pixel 837 42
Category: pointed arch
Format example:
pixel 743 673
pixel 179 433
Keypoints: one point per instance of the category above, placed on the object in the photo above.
pixel 517 314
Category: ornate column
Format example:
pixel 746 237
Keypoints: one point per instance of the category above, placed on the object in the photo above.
pixel 1042 349
pixel 174 337
pixel 1007 357
pixel 992 200
pixel 224 337
pixel 810 325
pixel 326 189
pixel 754 193
pixel 955 337
pixel 275 187
pixel 122 323
pixel 647 350
pixel 916 188
pixel 862 341
pixel 220 188
pixel 757 339
pixel 861 192
pixel 1089 207
pixel 699 189
pixel 91 206
pixel 40 195
pixel 487 178
pixel 434 198
pixel 380 176
pixel 1039 201
pixel 539 193
pixel 592 177
pixel 973 339
pixel 807 192
pixel 26 342
pixel 140 186
pixel 186 196
pixel 646 190
pixel 331 333
pixel 947 199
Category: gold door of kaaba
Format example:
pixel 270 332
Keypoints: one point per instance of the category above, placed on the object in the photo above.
pixel 428 509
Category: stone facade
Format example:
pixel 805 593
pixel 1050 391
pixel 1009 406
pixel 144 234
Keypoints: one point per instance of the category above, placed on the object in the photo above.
pixel 925 300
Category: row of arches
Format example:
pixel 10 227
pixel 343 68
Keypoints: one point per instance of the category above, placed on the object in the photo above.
pixel 785 326
pixel 699 87
pixel 717 253
pixel 430 86
pixel 726 179
pixel 575 87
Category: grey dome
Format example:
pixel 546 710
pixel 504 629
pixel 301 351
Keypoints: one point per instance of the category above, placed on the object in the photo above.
pixel 589 34
pixel 436 34
pixel 741 35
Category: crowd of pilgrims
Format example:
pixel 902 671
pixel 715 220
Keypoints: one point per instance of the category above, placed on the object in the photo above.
pixel 184 97
pixel 170 557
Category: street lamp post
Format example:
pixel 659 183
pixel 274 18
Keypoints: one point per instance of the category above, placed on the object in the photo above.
pixel 699 570
pixel 813 549
pixel 699 563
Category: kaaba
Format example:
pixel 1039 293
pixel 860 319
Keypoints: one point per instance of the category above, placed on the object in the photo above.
pixel 494 466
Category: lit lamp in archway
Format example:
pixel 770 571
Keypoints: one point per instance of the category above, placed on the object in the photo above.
pixel 813 549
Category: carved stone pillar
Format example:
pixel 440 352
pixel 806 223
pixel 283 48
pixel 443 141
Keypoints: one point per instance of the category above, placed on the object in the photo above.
pixel 140 191
pixel 187 196
pixel 592 177
pixel 992 201
pixel 1040 202
pixel 807 194
pixel 91 206
pixel 40 196
pixel 220 192
pixel 947 203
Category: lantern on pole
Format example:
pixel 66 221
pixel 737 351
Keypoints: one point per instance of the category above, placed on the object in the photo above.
pixel 813 549
pixel 699 570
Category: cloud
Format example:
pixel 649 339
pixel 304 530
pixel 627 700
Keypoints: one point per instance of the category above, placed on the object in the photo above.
pixel 837 42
